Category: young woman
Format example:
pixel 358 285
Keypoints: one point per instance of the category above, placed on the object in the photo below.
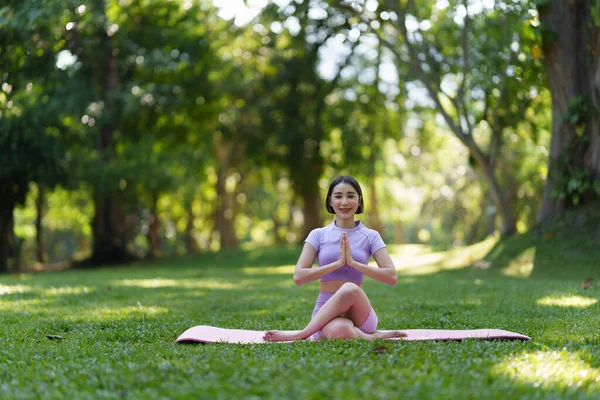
pixel 343 249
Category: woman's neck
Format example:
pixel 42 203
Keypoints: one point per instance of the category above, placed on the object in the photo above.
pixel 345 223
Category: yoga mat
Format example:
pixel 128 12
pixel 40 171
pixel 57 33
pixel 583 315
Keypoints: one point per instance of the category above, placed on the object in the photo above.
pixel 211 334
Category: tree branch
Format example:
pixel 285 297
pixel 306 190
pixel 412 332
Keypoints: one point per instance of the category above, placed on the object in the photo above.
pixel 429 84
pixel 495 125
pixel 332 85
pixel 465 50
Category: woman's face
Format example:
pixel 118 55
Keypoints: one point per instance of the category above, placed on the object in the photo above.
pixel 344 200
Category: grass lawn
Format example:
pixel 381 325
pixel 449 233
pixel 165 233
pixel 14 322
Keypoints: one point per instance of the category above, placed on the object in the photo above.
pixel 118 326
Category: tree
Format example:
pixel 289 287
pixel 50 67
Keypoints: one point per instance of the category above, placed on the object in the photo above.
pixel 294 102
pixel 366 109
pixel 462 62
pixel 571 46
pixel 32 155
pixel 29 123
pixel 145 67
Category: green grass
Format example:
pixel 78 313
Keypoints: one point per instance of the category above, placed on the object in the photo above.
pixel 118 326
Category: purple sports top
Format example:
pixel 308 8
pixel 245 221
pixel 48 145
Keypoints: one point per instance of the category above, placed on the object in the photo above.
pixel 364 242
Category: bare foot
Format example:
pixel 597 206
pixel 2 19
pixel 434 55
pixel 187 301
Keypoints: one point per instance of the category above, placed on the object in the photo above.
pixel 389 334
pixel 281 336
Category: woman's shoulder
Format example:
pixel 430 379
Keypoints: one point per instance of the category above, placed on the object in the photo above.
pixel 320 230
pixel 368 231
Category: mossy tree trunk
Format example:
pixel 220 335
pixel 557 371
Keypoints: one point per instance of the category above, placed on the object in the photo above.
pixel 571 48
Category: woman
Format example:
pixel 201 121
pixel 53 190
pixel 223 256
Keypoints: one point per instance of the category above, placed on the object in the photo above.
pixel 343 249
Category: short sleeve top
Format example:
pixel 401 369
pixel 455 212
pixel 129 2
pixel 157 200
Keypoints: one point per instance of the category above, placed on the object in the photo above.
pixel 364 242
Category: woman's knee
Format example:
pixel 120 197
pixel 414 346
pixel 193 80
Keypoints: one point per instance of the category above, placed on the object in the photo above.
pixel 351 290
pixel 341 328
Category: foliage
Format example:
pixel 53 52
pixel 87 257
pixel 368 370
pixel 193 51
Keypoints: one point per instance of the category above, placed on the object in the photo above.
pixel 574 180
pixel 31 155
pixel 301 94
pixel 113 329
pixel 472 62
pixel 292 112
pixel 29 127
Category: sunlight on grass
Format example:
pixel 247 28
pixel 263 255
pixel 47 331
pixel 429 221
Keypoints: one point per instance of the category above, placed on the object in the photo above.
pixel 521 266
pixel 284 270
pixel 25 305
pixel 172 283
pixel 149 283
pixel 567 301
pixel 409 249
pixel 10 289
pixel 418 260
pixel 106 313
pixel 422 263
pixel 550 369
pixel 56 291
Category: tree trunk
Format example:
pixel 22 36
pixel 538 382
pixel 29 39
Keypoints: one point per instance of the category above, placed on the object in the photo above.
pixel 465 135
pixel 374 221
pixel 190 243
pixel 6 233
pixel 305 179
pixel 154 229
pixel 312 208
pixel 508 223
pixel 224 150
pixel 39 239
pixel 592 157
pixel 479 228
pixel 276 227
pixel 490 217
pixel 109 246
pixel 225 212
pixel 571 50
pixel 108 230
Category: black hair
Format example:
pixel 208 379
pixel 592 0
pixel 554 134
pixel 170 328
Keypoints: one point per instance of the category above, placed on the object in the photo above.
pixel 352 182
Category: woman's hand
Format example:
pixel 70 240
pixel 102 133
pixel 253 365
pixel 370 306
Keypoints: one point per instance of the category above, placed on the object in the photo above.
pixel 342 255
pixel 349 259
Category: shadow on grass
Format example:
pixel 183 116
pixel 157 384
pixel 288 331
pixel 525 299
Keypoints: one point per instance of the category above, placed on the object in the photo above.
pixel 566 248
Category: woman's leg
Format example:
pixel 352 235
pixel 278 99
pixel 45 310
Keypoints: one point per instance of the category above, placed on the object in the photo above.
pixel 350 301
pixel 343 328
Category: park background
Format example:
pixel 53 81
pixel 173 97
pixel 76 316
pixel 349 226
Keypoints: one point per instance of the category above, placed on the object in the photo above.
pixel 141 129
pixel 169 156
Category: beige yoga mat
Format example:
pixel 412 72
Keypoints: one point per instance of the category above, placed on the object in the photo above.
pixel 211 334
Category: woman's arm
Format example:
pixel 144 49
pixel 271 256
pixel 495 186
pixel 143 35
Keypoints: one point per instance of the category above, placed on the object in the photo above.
pixel 304 273
pixel 384 272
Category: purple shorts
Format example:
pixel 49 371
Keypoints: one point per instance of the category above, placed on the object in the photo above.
pixel 368 326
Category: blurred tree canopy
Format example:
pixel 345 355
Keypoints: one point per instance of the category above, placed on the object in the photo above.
pixel 137 128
